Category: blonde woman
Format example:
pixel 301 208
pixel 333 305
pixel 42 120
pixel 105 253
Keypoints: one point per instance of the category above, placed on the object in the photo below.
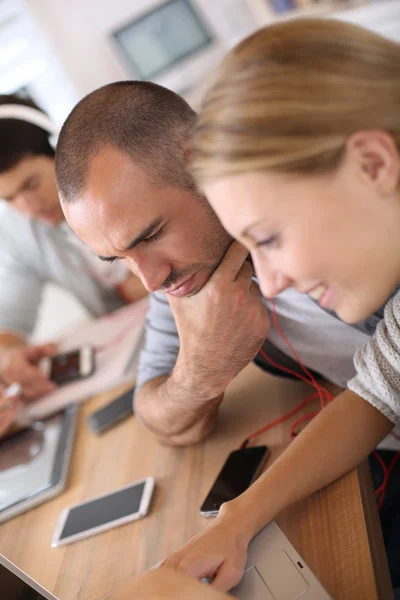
pixel 297 148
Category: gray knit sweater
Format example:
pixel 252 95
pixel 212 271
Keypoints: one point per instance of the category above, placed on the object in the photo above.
pixel 378 364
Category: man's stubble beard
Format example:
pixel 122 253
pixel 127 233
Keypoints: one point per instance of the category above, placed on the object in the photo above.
pixel 215 241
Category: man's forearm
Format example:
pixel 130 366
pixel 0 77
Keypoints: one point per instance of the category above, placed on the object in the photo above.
pixel 177 414
pixel 337 440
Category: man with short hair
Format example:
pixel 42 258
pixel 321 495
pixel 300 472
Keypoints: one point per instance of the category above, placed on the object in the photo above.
pixel 126 192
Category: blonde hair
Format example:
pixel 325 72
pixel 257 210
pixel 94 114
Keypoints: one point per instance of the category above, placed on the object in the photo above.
pixel 288 97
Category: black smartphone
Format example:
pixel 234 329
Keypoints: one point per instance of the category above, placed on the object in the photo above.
pixel 241 469
pixel 69 366
pixel 112 413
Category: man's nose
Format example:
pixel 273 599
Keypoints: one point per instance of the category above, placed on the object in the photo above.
pixel 152 273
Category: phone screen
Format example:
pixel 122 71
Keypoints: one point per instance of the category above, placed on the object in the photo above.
pixel 237 474
pixel 65 367
pixel 103 510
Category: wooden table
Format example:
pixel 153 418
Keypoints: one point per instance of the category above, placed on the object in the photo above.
pixel 336 531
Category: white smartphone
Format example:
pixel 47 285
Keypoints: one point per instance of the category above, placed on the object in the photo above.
pixel 82 520
pixel 69 366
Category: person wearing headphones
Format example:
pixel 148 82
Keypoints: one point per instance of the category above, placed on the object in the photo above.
pixel 37 246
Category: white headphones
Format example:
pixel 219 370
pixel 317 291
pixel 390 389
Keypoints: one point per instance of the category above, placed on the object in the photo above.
pixel 30 115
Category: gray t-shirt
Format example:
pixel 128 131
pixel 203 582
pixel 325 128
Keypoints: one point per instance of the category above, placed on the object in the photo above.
pixel 324 343
pixel 33 253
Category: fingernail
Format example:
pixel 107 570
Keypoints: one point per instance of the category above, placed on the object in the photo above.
pixel 13 390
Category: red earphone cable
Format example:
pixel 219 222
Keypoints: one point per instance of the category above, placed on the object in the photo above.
pixel 321 392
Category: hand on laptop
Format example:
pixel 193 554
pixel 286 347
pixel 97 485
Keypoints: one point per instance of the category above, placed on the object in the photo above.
pixel 20 364
pixel 222 327
pixel 164 584
pixel 219 553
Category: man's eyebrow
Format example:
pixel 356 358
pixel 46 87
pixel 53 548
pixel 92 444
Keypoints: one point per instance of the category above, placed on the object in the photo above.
pixel 145 233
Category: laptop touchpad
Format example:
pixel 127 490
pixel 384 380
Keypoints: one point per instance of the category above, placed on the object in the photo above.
pixel 281 576
pixel 252 587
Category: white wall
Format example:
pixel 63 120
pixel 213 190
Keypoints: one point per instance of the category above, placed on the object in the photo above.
pixel 382 17
pixel 79 33
pixel 26 61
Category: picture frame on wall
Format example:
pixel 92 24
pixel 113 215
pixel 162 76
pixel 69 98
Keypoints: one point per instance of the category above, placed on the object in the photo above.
pixel 160 39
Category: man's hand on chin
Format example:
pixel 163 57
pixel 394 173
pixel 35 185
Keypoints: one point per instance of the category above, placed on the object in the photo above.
pixel 223 326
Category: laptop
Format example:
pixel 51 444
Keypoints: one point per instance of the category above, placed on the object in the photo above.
pixel 34 463
pixel 275 571
pixel 15 584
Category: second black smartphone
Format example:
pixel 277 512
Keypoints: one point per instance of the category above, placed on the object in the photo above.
pixel 241 469
pixel 69 366
pixel 112 413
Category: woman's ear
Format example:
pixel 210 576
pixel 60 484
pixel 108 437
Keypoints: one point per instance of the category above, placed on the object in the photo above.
pixel 377 158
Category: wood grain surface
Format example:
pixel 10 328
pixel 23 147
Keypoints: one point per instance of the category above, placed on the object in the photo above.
pixel 336 531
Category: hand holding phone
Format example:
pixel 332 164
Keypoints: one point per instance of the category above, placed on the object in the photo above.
pixel 21 364
pixel 241 469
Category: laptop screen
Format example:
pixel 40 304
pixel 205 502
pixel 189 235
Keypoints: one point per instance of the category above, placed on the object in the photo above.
pixel 13 586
